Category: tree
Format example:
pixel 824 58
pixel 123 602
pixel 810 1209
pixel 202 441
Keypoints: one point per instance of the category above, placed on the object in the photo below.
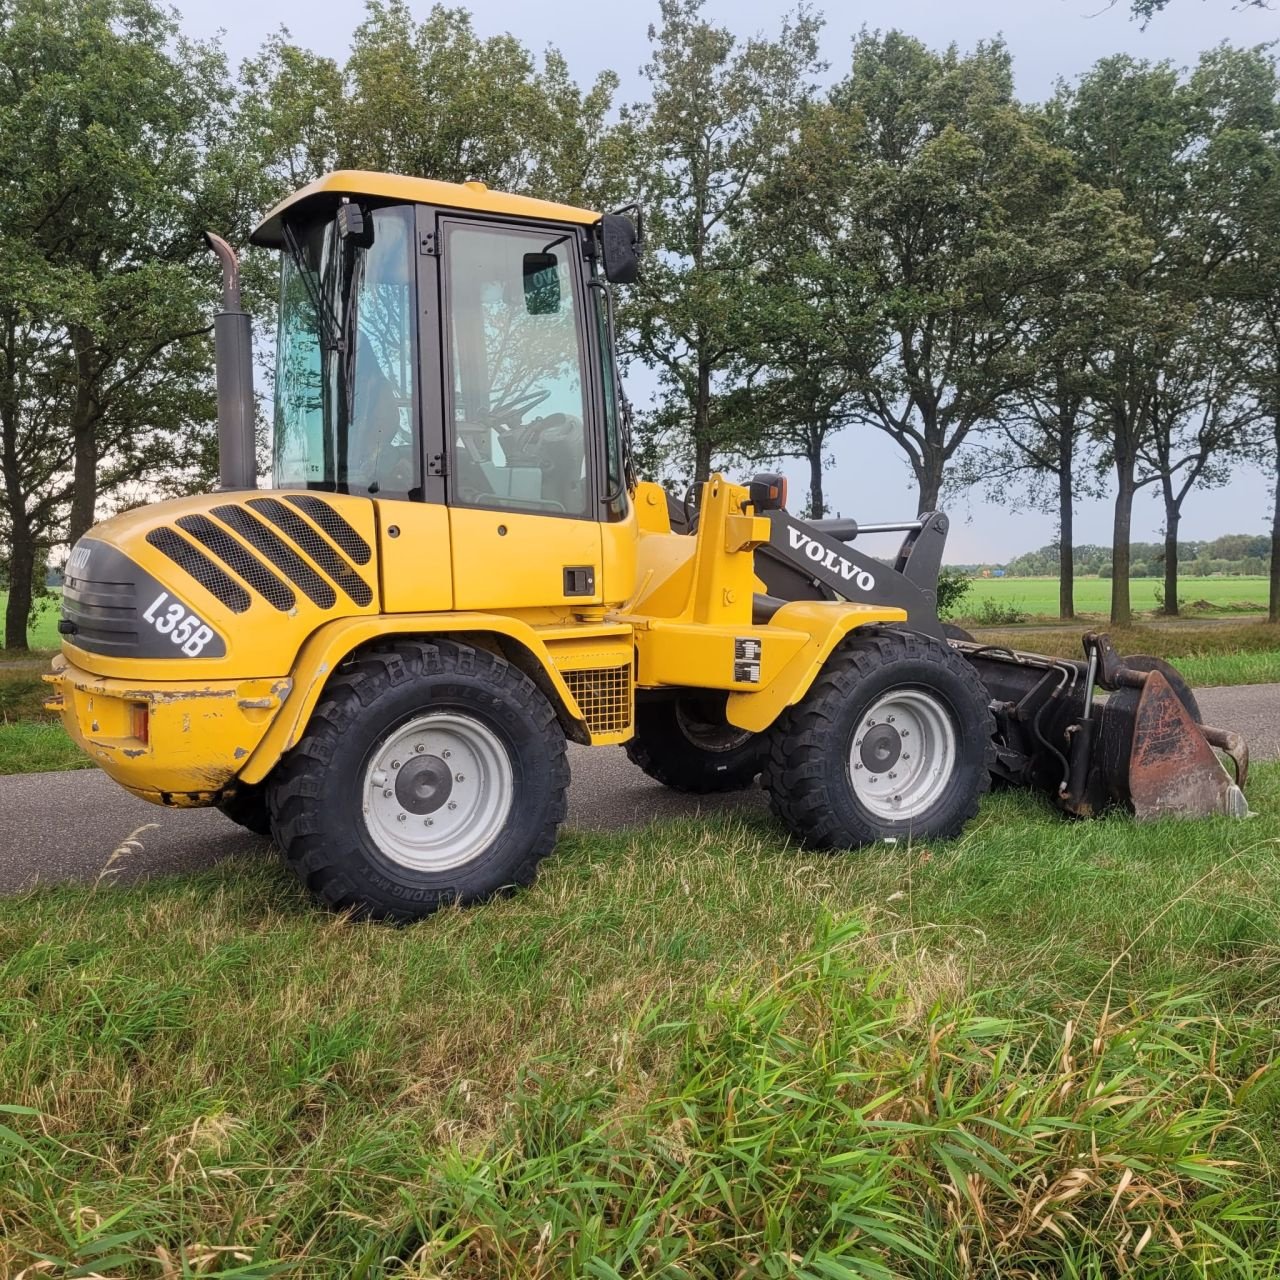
pixel 117 150
pixel 1241 88
pixel 1072 314
pixel 928 194
pixel 1133 129
pixel 1147 9
pixel 432 99
pixel 720 111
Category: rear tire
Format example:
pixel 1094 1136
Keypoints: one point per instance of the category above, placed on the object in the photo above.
pixel 246 806
pixel 430 773
pixel 840 773
pixel 685 743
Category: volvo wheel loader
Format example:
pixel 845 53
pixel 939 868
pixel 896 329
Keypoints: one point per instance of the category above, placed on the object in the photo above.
pixel 380 659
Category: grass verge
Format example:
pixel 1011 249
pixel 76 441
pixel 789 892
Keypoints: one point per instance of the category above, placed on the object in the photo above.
pixel 1048 1048
pixel 1217 654
pixel 33 747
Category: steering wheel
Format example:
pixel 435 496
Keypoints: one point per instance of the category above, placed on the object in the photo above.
pixel 516 408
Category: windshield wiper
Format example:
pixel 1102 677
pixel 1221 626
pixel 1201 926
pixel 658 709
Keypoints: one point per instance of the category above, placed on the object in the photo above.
pixel 330 326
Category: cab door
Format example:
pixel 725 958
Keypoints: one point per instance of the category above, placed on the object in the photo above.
pixel 521 482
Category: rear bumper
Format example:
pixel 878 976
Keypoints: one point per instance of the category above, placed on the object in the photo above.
pixel 167 742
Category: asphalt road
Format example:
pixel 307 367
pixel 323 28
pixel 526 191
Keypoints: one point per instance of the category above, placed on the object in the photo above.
pixel 65 826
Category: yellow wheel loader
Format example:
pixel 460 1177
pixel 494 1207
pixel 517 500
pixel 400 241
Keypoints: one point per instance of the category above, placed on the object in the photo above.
pixel 380 659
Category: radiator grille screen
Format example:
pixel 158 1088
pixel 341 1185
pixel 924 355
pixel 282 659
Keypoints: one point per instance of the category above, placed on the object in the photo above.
pixel 334 525
pixel 604 695
pixel 201 568
pixel 239 559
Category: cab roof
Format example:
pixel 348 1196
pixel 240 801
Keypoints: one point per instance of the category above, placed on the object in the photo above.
pixel 474 197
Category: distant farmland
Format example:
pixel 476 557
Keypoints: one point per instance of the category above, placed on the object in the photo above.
pixel 1039 596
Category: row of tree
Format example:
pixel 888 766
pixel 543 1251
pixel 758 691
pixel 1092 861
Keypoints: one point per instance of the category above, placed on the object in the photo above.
pixel 1010 292
pixel 1233 553
pixel 1032 298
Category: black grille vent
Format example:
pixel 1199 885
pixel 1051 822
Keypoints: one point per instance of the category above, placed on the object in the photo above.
pixel 201 568
pixel 334 525
pixel 291 524
pixel 283 556
pixel 239 560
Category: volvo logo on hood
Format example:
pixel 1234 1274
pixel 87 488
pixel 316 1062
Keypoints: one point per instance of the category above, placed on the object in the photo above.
pixel 830 559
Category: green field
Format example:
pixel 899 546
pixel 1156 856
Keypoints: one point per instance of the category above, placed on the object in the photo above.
pixel 44 635
pixel 1038 597
pixel 1046 1049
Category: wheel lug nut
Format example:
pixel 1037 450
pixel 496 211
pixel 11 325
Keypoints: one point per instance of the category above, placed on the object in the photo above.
pixel 430 821
pixel 856 765
pixel 906 733
pixel 893 775
pixel 453 804
pixel 395 764
pixel 890 719
pixel 457 777
pixel 445 754
pixel 387 794
pixel 400 817
pixel 906 755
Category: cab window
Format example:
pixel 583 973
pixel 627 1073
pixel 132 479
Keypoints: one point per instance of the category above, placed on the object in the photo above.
pixel 517 411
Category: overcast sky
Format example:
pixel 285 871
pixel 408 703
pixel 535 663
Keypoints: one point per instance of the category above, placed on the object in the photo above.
pixel 1048 38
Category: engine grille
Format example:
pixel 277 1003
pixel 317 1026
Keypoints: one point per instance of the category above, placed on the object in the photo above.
pixel 334 525
pixel 275 553
pixel 604 696
pixel 201 568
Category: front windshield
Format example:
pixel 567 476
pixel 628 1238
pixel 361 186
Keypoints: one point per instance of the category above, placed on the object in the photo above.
pixel 345 393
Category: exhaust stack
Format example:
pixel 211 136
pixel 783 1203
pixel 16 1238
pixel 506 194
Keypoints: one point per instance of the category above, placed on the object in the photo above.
pixel 233 347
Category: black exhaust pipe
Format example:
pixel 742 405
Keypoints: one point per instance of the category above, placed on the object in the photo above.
pixel 233 347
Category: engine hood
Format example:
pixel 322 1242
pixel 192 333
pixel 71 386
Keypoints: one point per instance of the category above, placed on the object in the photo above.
pixel 218 585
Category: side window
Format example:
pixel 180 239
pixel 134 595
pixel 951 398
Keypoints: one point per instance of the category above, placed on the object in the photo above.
pixel 516 423
pixel 374 386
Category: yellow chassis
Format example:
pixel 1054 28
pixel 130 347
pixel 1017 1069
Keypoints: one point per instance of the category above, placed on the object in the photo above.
pixel 689 614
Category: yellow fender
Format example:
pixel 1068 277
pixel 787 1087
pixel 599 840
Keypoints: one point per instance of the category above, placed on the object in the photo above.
pixel 827 622
pixel 329 645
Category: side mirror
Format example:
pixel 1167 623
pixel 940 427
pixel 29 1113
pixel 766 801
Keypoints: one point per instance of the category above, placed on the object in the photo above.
pixel 541 284
pixel 621 248
pixel 353 226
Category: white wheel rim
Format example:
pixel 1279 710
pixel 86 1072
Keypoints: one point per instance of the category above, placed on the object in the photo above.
pixel 903 754
pixel 437 791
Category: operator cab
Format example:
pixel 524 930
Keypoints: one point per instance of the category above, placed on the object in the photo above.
pixel 447 344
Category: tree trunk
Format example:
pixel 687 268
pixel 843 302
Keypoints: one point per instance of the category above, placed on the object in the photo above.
pixel 84 489
pixel 703 424
pixel 817 499
pixel 1066 531
pixel 1121 613
pixel 21 570
pixel 1273 612
pixel 1172 517
pixel 930 473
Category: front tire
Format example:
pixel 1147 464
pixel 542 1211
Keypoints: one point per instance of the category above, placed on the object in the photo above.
pixel 430 773
pixel 892 741
pixel 685 743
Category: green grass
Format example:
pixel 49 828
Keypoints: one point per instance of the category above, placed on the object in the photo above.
pixel 1046 1049
pixel 1217 654
pixel 43 634
pixel 35 747
pixel 1038 597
